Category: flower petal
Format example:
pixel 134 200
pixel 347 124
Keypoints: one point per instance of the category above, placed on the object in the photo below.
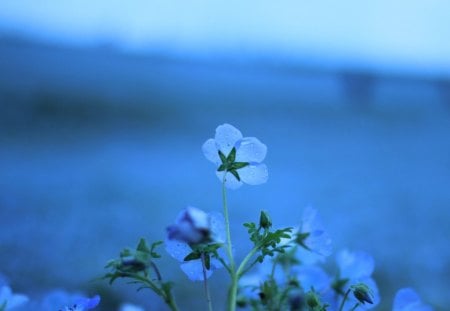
pixel 226 137
pixel 407 299
pixel 251 150
pixel 211 152
pixel 355 265
pixel 217 227
pixel 194 270
pixel 312 277
pixel 88 303
pixel 230 181
pixel 254 174
pixel 176 249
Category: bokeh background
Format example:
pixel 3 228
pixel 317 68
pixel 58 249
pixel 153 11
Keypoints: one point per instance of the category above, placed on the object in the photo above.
pixel 104 106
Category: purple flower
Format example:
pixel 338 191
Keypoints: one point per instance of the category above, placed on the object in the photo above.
pixel 192 228
pixel 407 299
pixel 238 159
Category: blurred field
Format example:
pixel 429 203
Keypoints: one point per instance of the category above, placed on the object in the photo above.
pixel 98 149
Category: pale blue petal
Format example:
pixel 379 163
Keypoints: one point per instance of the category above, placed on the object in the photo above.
pixel 176 249
pixel 226 137
pixel 319 242
pixel 88 303
pixel 254 174
pixel 217 227
pixel 251 150
pixel 307 257
pixel 211 152
pixel 355 265
pixel 312 277
pixel 407 299
pixel 311 220
pixel 194 270
pixel 130 307
pixel 230 181
pixel 13 300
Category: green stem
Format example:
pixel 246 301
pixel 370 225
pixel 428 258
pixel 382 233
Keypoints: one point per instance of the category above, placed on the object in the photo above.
pixel 227 225
pixel 232 268
pixel 355 306
pixel 168 298
pixel 244 262
pixel 205 282
pixel 343 300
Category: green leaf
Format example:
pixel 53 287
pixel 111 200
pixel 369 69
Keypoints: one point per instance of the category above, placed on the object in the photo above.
pixel 152 249
pixel 142 246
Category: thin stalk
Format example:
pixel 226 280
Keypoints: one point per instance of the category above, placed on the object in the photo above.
pixel 233 288
pixel 240 270
pixel 205 282
pixel 355 306
pixel 227 225
pixel 343 300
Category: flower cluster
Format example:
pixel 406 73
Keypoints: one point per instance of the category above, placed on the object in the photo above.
pixel 54 300
pixel 284 269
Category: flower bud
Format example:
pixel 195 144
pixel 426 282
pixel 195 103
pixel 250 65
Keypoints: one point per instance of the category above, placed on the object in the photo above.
pixel 264 220
pixel 312 300
pixel 363 293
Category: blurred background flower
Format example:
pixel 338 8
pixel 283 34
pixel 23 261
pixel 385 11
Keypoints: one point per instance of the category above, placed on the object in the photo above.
pixel 104 107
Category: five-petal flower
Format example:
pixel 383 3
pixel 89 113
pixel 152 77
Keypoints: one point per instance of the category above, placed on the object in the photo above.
pixel 238 159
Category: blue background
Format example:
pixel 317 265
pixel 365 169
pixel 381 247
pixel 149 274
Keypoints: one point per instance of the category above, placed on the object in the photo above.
pixel 105 106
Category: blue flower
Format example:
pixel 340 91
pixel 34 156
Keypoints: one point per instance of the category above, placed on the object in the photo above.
pixel 194 227
pixel 64 301
pixel 356 268
pixel 312 234
pixel 130 307
pixel 83 304
pixel 238 159
pixel 9 300
pixel 407 299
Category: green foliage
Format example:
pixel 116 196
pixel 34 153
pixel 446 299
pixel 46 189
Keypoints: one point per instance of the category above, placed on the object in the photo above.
pixel 138 267
pixel 205 250
pixel 267 242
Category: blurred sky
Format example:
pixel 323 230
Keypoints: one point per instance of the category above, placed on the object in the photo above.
pixel 400 36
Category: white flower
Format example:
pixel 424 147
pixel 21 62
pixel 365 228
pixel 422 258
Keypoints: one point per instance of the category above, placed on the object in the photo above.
pixel 238 159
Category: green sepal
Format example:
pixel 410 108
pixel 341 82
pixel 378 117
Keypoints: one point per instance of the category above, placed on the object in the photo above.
pixel 232 155
pixel 238 165
pixel 193 256
pixel 223 158
pixel 207 261
pixel 235 174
